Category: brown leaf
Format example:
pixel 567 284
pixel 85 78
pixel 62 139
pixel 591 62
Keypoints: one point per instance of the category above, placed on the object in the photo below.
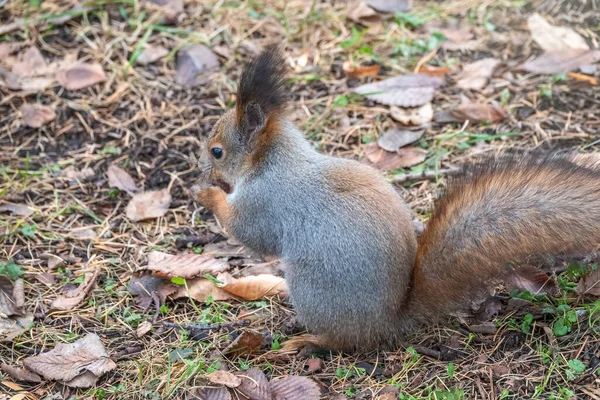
pixel 475 75
pixel 72 298
pixel 74 174
pixel 247 342
pixel 29 62
pixel 187 265
pixel 561 61
pixel 10 328
pixel 46 278
pixel 473 112
pixel 255 385
pixel 361 72
pixel 213 394
pixel 146 287
pixel 8 304
pixel 201 289
pixel 120 179
pixel 417 116
pixel 148 205
pixel 314 364
pixel 295 388
pixel 394 139
pixel 8 48
pixel 20 374
pixel 36 115
pixel 143 328
pixel 532 279
pixel 590 284
pixel 551 38
pixel 151 54
pixel 439 72
pixel 252 287
pixel 410 90
pixel 192 61
pixel 83 233
pixel 457 36
pixel 390 5
pixel 80 76
pixel 224 378
pixel 273 267
pixel 68 361
pixel 359 12
pixel 387 161
pixel 583 78
pixel 16 209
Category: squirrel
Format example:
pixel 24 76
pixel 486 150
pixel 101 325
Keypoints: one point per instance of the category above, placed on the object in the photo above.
pixel 358 276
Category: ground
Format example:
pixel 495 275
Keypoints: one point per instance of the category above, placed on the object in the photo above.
pixel 141 120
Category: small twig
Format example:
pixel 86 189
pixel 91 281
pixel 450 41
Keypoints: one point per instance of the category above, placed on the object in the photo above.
pixel 231 324
pixel 424 175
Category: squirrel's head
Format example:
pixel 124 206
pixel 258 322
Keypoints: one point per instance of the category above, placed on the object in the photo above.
pixel 241 138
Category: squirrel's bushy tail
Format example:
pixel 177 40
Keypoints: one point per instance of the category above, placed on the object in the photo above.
pixel 502 213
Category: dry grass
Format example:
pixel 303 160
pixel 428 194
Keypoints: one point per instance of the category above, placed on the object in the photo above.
pixel 151 128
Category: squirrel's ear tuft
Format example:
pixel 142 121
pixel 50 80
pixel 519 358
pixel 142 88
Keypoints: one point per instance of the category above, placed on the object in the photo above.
pixel 261 91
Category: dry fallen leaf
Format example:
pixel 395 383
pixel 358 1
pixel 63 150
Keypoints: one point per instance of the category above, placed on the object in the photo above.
pixel 147 288
pixel 13 319
pixel 531 279
pixel 295 388
pixel 9 48
pixel 72 298
pixel 314 364
pixel 80 76
pixel 29 62
pixel 359 12
pixel 583 78
pixel 417 116
pixel 252 287
pixel 561 61
pixel 213 394
pixel 151 54
pixel 439 72
pixel 473 112
pixel 551 38
pixel 120 179
pixel 227 249
pixel 192 61
pixel 143 328
pixel 16 209
pixel 247 342
pixel 476 75
pixel 171 10
pixel 590 284
pixel 387 161
pixel 74 174
pixel 394 139
pixel 187 265
pixel 83 233
pixel 36 115
pixel 255 385
pixel 67 362
pixel 20 374
pixel 148 205
pixel 410 90
pixel 201 289
pixel 224 378
pixel 361 72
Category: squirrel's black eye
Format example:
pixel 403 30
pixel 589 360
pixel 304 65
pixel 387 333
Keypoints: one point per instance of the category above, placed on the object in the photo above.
pixel 217 152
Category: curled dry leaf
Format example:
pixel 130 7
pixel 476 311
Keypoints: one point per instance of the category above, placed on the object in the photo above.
pixel 213 394
pixel 36 115
pixel 253 287
pixel 551 38
pixel 394 139
pixel 590 284
pixel 561 61
pixel 410 90
pixel 16 209
pixel 120 179
pixel 13 320
pixel 473 112
pixel 80 76
pixel 386 161
pixel 151 54
pixel 476 75
pixel 414 115
pixel 255 385
pixel 193 61
pixel 201 289
pixel 247 342
pixel 67 362
pixel 224 378
pixel 72 298
pixel 187 265
pixel 20 374
pixel 295 388
pixel 361 72
pixel 148 205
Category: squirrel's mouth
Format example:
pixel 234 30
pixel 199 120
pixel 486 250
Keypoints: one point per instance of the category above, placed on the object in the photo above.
pixel 222 184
